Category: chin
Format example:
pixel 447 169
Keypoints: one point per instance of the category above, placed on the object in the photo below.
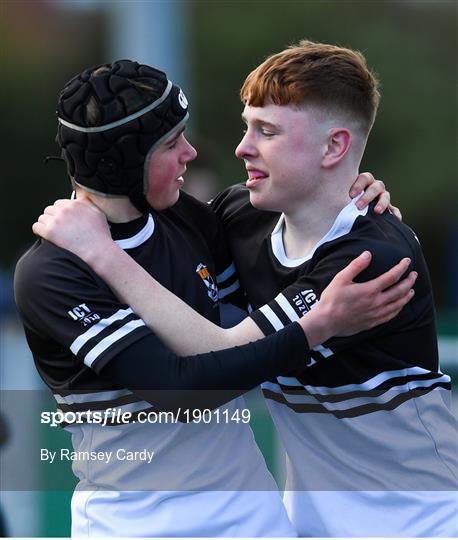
pixel 261 203
pixel 165 202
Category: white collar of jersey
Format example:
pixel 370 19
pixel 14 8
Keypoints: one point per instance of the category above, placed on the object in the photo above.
pixel 139 238
pixel 342 225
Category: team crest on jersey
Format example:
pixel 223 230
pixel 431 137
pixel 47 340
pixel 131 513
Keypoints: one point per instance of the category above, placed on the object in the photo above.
pixel 205 276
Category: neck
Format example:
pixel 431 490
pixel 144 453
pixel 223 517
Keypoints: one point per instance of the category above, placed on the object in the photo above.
pixel 309 221
pixel 116 209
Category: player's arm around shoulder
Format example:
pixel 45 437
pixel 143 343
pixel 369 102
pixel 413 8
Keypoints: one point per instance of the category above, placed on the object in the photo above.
pixel 389 284
pixel 344 308
pixel 329 293
pixel 386 246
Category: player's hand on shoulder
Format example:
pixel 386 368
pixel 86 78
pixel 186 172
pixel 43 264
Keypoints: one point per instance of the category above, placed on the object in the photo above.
pixel 76 225
pixel 354 307
pixel 373 190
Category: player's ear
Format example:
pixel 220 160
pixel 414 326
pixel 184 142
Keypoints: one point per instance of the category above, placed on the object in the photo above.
pixel 338 143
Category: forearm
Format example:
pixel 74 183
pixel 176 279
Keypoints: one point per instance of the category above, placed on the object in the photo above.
pixel 166 314
pixel 158 307
pixel 167 381
pixel 317 325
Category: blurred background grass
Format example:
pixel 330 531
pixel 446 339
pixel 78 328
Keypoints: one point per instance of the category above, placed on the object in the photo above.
pixel 208 47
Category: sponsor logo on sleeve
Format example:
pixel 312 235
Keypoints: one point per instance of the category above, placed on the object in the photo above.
pixel 83 314
pixel 305 300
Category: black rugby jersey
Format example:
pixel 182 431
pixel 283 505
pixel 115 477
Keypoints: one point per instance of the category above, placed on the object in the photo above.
pixel 280 290
pixel 367 426
pixel 73 322
pixel 205 472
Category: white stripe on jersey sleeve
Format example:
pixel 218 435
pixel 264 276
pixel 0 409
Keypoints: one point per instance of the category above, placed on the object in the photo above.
pixel 97 328
pixel 228 290
pixel 286 307
pixel 226 273
pixel 107 342
pixel 269 314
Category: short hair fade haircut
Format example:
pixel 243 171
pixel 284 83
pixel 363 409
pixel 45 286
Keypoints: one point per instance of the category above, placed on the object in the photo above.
pixel 319 74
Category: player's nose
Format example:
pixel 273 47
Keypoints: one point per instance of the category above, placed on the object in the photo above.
pixel 190 152
pixel 245 147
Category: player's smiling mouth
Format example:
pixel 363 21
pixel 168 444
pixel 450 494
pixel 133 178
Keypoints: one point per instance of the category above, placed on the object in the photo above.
pixel 255 177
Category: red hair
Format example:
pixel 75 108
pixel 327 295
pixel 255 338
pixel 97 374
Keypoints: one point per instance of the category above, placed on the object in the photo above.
pixel 316 74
